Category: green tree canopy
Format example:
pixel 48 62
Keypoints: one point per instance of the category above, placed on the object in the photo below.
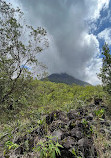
pixel 19 46
pixel 105 72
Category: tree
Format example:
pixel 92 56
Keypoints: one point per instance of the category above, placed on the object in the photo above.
pixel 105 72
pixel 19 46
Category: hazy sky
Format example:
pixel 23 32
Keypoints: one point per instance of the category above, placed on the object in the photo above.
pixel 76 30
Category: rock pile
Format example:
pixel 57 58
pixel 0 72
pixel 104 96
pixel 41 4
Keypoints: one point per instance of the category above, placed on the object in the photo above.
pixel 73 130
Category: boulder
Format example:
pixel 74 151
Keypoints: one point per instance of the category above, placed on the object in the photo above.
pixel 73 123
pixel 57 135
pixel 72 115
pixel 68 142
pixel 87 148
pixel 76 133
pixel 65 154
pixel 49 118
pixel 56 115
pixel 97 101
pixel 58 124
pixel 89 117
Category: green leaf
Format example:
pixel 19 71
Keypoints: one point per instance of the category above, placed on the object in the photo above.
pixel 53 154
pixel 58 151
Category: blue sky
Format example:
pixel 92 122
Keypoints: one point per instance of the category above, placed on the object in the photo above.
pixel 103 23
pixel 76 30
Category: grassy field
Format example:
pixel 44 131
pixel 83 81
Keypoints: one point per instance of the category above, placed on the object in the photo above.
pixel 39 99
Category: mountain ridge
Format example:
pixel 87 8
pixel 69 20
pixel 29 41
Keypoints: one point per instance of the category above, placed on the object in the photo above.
pixel 65 78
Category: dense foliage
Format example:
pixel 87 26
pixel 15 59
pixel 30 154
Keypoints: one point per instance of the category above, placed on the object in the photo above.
pixel 19 46
pixel 105 74
pixel 39 99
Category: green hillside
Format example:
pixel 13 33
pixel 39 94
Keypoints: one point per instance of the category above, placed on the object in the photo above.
pixel 40 99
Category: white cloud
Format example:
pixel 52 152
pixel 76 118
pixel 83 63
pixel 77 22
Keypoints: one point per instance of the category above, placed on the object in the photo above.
pixel 72 49
pixel 95 6
pixel 92 70
pixel 105 35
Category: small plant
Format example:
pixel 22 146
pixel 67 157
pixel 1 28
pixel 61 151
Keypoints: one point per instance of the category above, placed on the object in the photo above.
pixel 84 122
pixel 88 130
pixel 99 113
pixel 40 122
pixel 26 145
pixel 10 145
pixel 91 129
pixel 49 148
pixel 75 154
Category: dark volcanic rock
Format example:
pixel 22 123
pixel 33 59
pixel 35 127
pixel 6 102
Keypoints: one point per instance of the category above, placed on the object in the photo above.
pixel 89 117
pixel 104 122
pixel 82 112
pixel 73 123
pixel 97 101
pixel 65 134
pixel 68 142
pixel 56 115
pixel 57 135
pixel 72 131
pixel 87 147
pixel 76 133
pixel 57 125
pixel 49 118
pixel 73 115
pixel 65 154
